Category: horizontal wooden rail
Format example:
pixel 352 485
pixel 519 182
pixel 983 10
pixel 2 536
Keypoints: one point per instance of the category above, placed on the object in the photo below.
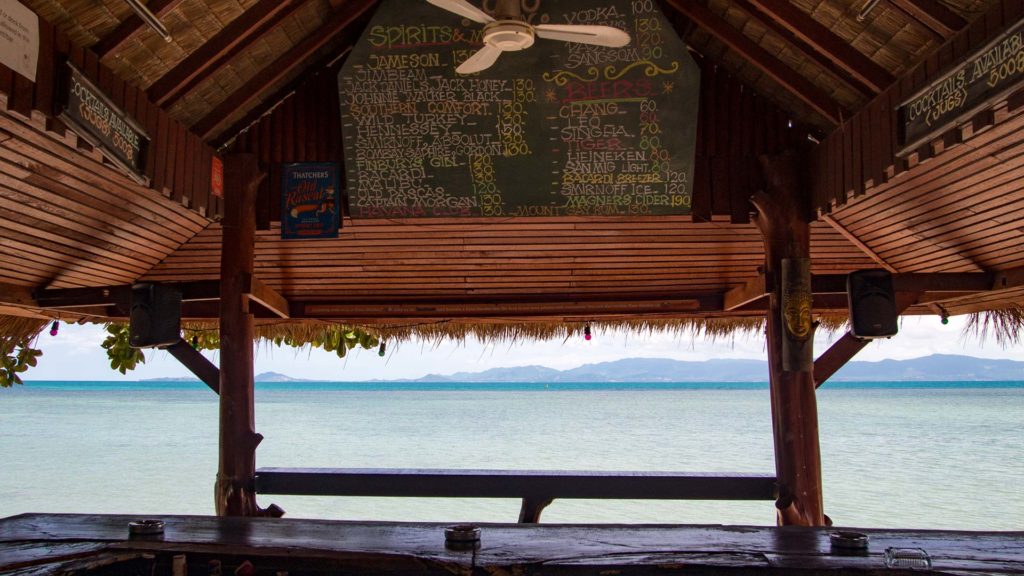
pixel 536 488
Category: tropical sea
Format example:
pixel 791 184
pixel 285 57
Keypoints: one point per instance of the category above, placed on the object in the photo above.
pixel 936 455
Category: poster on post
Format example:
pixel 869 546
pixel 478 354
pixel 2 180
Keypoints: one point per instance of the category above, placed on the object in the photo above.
pixel 310 201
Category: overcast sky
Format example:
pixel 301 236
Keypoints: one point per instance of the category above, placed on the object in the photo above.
pixel 75 353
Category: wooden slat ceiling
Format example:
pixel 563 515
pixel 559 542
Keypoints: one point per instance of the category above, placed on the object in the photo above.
pixel 621 258
pixel 69 220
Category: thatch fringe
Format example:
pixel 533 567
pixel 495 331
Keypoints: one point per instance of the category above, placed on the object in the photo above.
pixel 1005 326
pixel 713 329
pixel 18 328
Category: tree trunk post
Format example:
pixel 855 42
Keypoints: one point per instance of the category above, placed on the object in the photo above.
pixel 234 493
pixel 784 222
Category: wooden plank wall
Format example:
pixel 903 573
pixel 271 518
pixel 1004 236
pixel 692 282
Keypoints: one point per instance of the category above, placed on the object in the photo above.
pixel 735 127
pixel 177 161
pixel 862 153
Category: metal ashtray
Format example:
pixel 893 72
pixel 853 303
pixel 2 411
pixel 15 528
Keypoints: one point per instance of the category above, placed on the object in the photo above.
pixel 849 541
pixel 146 528
pixel 462 537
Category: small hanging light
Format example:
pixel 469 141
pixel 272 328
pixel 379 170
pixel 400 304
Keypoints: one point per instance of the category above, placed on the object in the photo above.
pixel 382 350
pixel 54 327
pixel 195 342
pixel 586 333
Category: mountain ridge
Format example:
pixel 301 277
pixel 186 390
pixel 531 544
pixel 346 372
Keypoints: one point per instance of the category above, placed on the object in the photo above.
pixel 936 367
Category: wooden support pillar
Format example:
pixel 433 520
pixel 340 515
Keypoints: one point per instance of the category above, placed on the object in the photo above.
pixel 784 221
pixel 234 493
pixel 530 511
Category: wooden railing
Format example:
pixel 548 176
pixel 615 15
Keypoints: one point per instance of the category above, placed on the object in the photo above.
pixel 537 489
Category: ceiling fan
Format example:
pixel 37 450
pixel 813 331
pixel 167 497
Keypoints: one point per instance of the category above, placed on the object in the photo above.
pixel 509 32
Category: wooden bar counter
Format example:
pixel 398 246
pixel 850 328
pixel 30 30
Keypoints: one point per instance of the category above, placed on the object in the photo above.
pixel 41 544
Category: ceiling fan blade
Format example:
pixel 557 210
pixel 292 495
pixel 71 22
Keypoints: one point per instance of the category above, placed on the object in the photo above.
pixel 480 61
pixel 597 35
pixel 464 9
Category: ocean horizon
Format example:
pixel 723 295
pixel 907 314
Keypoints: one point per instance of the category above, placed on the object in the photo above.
pixel 402 385
pixel 930 455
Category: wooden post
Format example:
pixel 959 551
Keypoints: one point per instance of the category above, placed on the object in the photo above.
pixel 234 493
pixel 784 222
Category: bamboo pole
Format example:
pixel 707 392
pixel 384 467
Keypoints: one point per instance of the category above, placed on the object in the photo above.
pixel 784 222
pixel 234 491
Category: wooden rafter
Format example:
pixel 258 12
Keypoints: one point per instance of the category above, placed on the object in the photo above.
pixel 933 15
pixel 858 243
pixel 752 291
pixel 806 48
pixel 132 24
pixel 281 68
pixel 212 55
pixel 844 349
pixel 768 64
pixel 824 44
pixel 232 131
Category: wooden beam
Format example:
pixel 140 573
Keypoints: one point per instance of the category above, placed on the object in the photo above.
pixel 132 24
pixel 232 39
pixel 555 308
pixel 752 291
pixel 285 65
pixel 824 45
pixel 119 295
pixel 768 64
pixel 17 295
pixel 265 296
pixel 933 15
pixel 196 363
pixel 923 282
pixel 857 242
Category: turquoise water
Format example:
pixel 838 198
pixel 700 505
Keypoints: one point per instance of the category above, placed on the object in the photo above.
pixel 925 455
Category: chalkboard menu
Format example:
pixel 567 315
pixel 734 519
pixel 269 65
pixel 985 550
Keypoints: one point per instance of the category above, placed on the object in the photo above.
pixel 988 74
pixel 557 129
pixel 91 114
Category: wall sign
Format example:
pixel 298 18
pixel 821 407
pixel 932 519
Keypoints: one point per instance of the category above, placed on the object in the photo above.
pixel 92 115
pixel 987 75
pixel 554 130
pixel 217 177
pixel 19 38
pixel 310 201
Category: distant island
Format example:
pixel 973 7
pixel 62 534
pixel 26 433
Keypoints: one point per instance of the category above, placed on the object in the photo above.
pixel 934 368
pixel 261 377
pixel 937 367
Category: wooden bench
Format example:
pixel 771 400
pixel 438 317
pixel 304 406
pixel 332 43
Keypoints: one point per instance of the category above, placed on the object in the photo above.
pixel 537 489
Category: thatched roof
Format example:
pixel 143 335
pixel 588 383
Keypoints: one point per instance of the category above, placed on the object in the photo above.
pixel 74 221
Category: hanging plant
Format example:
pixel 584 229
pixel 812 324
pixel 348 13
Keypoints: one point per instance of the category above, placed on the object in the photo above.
pixel 337 339
pixel 122 356
pixel 16 357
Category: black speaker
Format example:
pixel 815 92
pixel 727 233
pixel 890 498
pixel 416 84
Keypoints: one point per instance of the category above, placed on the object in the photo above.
pixel 873 311
pixel 155 320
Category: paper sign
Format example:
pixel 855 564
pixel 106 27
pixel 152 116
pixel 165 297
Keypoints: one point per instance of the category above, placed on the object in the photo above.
pixel 19 38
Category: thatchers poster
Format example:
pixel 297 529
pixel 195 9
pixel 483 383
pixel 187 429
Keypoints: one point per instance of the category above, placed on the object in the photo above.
pixel 309 201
